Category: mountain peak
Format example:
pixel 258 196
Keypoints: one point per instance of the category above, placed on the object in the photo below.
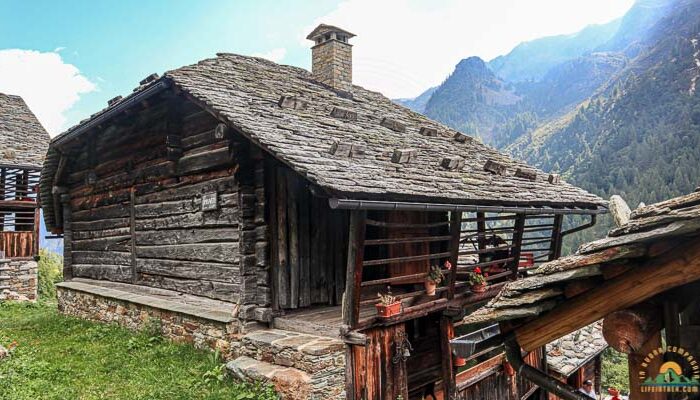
pixel 471 63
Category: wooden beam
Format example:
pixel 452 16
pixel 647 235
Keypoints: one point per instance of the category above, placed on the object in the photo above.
pixel 555 247
pixel 650 278
pixel 455 233
pixel 282 266
pixel 635 361
pixel 353 281
pixel 132 233
pixel 518 231
pixel 628 330
pixel 448 377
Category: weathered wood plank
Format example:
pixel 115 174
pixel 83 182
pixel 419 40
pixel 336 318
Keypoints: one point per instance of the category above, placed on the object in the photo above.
pixel 113 211
pixel 282 267
pixel 102 257
pixel 203 161
pixel 228 272
pixel 293 233
pixel 113 243
pixel 304 248
pixel 187 190
pixel 187 236
pixel 221 252
pixel 110 223
pixel 221 217
pixel 117 273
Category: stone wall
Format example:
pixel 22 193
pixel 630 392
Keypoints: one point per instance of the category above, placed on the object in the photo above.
pixel 202 333
pixel 18 280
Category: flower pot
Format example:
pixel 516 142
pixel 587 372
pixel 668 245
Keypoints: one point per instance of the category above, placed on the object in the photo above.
pixel 480 288
pixel 430 287
pixel 388 311
pixel 458 361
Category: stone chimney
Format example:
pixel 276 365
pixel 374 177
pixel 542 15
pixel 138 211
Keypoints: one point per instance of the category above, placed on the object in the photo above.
pixel 332 57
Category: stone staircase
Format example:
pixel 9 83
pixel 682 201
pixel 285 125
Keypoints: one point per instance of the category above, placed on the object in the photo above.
pixel 299 365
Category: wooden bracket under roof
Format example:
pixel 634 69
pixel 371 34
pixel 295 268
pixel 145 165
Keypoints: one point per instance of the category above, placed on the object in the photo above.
pixel 345 149
pixel 342 113
pixel 114 100
pixel 525 173
pixel 425 131
pixel 495 167
pixel 404 156
pixel 393 124
pixel 452 163
pixel 462 138
pixel 292 102
pixel 150 78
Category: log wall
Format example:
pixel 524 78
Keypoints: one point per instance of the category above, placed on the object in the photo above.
pixel 136 190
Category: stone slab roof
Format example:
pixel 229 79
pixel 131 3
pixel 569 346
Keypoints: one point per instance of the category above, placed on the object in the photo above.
pixel 569 353
pixel 362 146
pixel 23 141
pixel 346 145
pixel 663 225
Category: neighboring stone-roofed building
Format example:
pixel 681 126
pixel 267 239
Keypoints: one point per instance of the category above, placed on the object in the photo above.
pixel 23 141
pixel 642 280
pixel 23 145
pixel 571 352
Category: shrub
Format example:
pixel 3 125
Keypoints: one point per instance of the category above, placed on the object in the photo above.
pixel 50 273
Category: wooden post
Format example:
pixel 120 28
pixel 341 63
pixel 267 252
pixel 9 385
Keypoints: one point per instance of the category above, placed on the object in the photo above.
pixel 293 232
pixel 517 243
pixel 635 361
pixel 448 377
pixel 132 232
pixel 481 230
pixel 455 233
pixel 282 260
pixel 67 238
pixel 353 281
pixel 555 247
pixel 304 244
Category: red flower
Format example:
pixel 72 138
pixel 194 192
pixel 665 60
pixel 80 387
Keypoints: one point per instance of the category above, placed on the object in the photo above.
pixel 448 265
pixel 477 270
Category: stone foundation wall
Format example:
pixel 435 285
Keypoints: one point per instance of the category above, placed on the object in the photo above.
pixel 203 334
pixel 18 280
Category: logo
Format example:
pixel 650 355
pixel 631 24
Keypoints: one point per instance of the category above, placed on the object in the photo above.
pixel 670 377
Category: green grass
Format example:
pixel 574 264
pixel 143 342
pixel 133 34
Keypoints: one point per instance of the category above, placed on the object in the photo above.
pixel 59 357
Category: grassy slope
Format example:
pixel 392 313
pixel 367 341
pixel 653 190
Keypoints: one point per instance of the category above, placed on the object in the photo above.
pixel 58 357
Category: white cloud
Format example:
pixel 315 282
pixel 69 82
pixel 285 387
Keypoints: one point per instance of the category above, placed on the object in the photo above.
pixel 403 47
pixel 275 55
pixel 49 85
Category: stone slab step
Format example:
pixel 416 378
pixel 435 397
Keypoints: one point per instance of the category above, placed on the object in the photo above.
pixel 309 353
pixel 290 383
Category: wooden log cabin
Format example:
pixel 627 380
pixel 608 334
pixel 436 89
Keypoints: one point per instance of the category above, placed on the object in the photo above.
pixel 273 204
pixel 23 145
pixel 642 283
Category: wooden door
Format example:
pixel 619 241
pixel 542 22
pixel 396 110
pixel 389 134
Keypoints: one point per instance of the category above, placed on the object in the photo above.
pixel 378 373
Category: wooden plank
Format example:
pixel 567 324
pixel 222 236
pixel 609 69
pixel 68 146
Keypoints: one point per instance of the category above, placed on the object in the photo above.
pixel 283 285
pixel 304 248
pixel 420 239
pixel 132 235
pixel 407 258
pixel 518 232
pixel 67 238
pixel 187 236
pixel 339 249
pixel 293 233
pixel 356 249
pixel 271 193
pixel 384 224
pixel 650 278
pixel 218 272
pixel 555 247
pixel 221 217
pixel 449 387
pixel 455 236
pixel 117 273
pixel 217 252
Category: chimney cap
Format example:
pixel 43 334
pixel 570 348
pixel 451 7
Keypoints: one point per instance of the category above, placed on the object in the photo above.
pixel 323 29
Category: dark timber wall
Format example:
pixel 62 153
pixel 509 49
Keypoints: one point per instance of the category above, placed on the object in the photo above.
pixel 136 190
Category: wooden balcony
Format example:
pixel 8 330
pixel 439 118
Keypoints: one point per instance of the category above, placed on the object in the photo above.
pixel 19 244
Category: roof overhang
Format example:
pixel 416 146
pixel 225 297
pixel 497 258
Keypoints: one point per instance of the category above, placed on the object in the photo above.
pixel 350 204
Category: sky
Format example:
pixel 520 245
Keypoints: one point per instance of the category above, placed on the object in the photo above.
pixel 68 58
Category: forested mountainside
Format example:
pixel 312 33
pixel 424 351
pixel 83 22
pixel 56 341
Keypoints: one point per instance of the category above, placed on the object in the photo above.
pixel 621 116
pixel 640 135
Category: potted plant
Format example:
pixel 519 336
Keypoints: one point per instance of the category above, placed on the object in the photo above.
pixel 477 281
pixel 434 278
pixel 388 305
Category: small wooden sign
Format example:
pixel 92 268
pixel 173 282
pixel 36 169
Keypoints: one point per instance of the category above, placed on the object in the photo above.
pixel 210 202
